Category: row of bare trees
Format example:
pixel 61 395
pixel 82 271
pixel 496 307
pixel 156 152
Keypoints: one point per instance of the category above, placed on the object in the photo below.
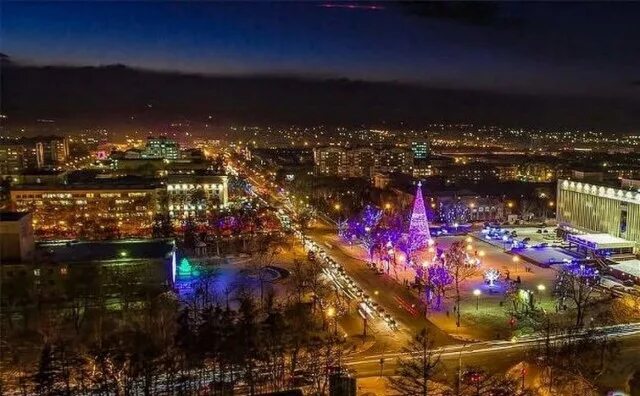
pixel 563 362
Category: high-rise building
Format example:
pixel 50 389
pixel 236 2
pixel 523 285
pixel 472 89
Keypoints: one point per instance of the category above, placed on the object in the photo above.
pixel 361 162
pixel 394 160
pixel 12 159
pixel 420 149
pixel 161 147
pixel 331 161
pixel 51 151
pixel 18 155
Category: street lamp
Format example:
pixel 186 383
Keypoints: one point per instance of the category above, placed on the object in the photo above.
pixel 516 259
pixel 477 293
pixel 387 206
pixel 331 313
pixel 541 288
pixel 481 253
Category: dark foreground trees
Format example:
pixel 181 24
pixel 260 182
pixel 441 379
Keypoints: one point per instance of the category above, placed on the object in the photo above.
pixel 416 371
pixel 160 346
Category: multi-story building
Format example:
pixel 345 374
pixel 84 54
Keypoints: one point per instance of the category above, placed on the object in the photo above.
pixel 161 147
pixel 592 208
pixel 89 208
pixel 507 172
pixel 19 155
pixel 394 160
pixel 12 159
pixel 422 169
pixel 475 172
pixel 361 162
pixel 196 195
pixel 53 150
pixel 420 149
pixel 331 161
pixel 537 172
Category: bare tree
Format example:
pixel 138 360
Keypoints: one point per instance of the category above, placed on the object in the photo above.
pixel 578 286
pixel 415 372
pixel 572 360
pixel 460 270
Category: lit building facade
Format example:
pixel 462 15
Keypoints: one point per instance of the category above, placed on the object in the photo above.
pixel 12 159
pixel 361 162
pixel 420 149
pixel 590 208
pixel 90 211
pixel 161 147
pixel 330 161
pixel 196 195
pixel 53 151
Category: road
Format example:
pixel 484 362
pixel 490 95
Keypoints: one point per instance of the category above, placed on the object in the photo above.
pixel 398 301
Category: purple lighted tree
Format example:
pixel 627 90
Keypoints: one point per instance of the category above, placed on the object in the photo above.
pixel 419 225
pixel 439 281
pixel 418 236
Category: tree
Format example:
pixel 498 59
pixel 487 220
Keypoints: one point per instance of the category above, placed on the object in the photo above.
pixel 459 269
pixel 415 372
pixel 439 282
pixel 45 377
pixel 572 360
pixel 162 227
pixel 577 284
pixel 475 381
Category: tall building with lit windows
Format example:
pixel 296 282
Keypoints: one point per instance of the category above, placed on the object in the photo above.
pixel 161 147
pixel 420 149
pixel 331 161
pixel 586 208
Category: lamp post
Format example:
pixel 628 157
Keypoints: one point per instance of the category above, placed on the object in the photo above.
pixel 331 314
pixel 477 293
pixel 516 259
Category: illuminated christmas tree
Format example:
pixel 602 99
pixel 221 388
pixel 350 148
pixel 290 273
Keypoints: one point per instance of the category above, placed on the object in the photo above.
pixel 419 225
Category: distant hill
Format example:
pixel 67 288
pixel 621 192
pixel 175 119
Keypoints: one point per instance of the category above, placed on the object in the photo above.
pixel 112 93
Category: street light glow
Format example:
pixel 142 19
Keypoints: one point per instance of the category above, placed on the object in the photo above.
pixel 477 292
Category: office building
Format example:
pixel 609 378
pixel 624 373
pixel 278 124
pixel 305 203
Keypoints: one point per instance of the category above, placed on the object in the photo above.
pixel 394 160
pixel 161 147
pixel 53 151
pixel 585 208
pixel 420 149
pixel 331 161
pixel 196 195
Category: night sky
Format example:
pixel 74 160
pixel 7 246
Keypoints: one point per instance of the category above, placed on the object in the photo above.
pixel 579 49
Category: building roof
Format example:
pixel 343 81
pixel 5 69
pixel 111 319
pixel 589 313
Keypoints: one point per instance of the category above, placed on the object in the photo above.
pixel 12 216
pixel 601 241
pixel 87 251
pixel 631 267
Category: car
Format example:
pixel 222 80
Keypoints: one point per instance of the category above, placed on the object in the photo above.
pixel 393 324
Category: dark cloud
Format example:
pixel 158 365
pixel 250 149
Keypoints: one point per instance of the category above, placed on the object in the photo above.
pixel 105 95
pixel 475 13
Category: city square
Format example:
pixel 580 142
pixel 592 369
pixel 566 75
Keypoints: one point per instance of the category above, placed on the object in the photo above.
pixel 322 198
